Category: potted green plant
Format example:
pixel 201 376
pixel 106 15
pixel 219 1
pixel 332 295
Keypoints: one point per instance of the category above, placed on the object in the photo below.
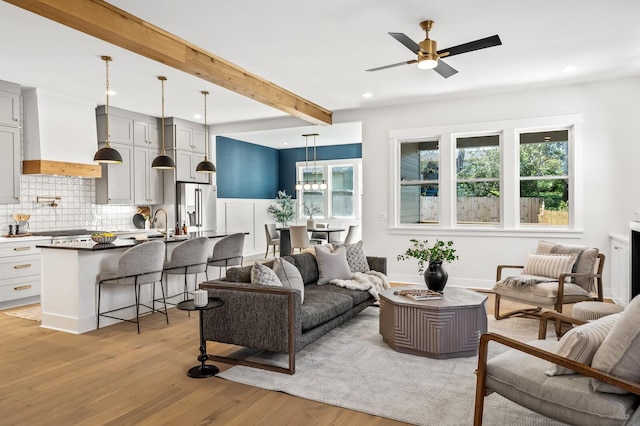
pixel 435 275
pixel 282 208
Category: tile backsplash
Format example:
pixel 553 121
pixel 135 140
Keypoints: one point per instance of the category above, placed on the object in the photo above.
pixel 76 207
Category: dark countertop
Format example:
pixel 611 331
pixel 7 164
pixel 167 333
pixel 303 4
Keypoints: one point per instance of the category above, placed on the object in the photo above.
pixel 129 241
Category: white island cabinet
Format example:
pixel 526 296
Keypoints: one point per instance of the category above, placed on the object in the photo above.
pixel 20 271
pixel 71 272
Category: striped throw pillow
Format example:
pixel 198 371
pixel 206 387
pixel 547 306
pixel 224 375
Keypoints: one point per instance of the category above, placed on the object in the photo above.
pixel 548 264
pixel 582 342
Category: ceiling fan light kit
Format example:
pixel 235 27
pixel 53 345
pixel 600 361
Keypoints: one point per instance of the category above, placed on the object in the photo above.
pixel 428 55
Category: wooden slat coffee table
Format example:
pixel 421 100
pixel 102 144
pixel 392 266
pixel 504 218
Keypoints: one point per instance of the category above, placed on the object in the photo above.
pixel 445 328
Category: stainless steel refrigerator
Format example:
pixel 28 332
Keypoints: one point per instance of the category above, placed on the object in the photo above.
pixel 196 206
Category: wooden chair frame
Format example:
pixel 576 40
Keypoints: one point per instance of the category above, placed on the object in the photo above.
pixel 535 312
pixel 579 368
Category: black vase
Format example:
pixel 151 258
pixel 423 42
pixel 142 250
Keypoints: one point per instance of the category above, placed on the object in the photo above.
pixel 436 276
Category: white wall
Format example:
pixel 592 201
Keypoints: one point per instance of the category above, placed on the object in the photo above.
pixel 610 141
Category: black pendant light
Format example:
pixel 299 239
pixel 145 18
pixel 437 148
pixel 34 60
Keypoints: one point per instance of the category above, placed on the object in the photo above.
pixel 163 161
pixel 107 154
pixel 205 166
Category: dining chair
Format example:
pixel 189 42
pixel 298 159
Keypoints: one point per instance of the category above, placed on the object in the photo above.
pixel 227 252
pixel 273 238
pixel 354 234
pixel 137 266
pixel 319 237
pixel 299 237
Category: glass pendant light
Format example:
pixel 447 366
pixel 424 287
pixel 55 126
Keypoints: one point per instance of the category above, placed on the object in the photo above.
pixel 107 154
pixel 301 184
pixel 163 161
pixel 205 166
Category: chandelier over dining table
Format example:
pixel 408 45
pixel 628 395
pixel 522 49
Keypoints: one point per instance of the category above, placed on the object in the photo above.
pixel 303 183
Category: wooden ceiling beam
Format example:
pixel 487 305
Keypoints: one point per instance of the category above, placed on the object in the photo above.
pixel 111 24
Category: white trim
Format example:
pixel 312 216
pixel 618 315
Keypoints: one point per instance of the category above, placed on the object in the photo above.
pixel 508 131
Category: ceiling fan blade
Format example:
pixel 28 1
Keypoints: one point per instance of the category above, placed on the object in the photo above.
pixel 483 43
pixel 408 43
pixel 413 61
pixel 445 69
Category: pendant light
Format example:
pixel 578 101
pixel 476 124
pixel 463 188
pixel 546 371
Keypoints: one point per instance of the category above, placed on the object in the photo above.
pixel 163 161
pixel 315 185
pixel 107 154
pixel 205 166
pixel 301 184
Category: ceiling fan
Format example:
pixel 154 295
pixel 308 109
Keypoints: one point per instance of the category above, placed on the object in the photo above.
pixel 429 57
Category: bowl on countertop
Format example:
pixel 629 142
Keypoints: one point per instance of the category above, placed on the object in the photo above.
pixel 104 239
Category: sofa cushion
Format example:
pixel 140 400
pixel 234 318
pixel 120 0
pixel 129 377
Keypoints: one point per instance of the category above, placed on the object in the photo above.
pixel 581 343
pixel 263 275
pixel 289 276
pixel 332 265
pixel 543 294
pixel 520 377
pixel 619 354
pixel 358 296
pixel 308 267
pixel 356 258
pixel 321 306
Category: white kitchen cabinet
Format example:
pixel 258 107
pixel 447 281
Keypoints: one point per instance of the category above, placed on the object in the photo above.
pixel 186 162
pixel 147 133
pixel 20 273
pixel 620 282
pixel 116 186
pixel 9 104
pixel 148 182
pixel 121 127
pixel 9 165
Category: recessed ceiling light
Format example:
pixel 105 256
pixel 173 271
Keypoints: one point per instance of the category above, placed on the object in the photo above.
pixel 111 92
pixel 285 143
pixel 569 68
pixel 197 116
pixel 367 95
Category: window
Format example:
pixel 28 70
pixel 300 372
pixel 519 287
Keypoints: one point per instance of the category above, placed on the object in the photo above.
pixel 511 175
pixel 478 179
pixel 342 197
pixel 544 178
pixel 420 167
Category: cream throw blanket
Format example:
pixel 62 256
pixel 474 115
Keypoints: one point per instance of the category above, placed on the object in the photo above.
pixel 372 281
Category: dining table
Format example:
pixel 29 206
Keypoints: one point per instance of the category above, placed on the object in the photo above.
pixel 285 237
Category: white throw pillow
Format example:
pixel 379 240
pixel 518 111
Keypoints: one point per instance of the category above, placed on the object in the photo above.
pixel 289 275
pixel 264 275
pixel 332 265
pixel 619 354
pixel 356 258
pixel 582 342
pixel 548 265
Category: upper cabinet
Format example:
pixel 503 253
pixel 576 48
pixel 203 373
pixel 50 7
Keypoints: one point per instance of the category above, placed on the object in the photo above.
pixel 9 104
pixel 147 133
pixel 184 135
pixel 9 165
pixel 116 184
pixel 120 125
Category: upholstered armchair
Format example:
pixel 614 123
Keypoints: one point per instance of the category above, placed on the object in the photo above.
pixel 589 377
pixel 555 275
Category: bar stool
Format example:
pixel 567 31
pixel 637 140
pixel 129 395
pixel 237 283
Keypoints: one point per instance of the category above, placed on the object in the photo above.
pixel 139 265
pixel 188 258
pixel 227 252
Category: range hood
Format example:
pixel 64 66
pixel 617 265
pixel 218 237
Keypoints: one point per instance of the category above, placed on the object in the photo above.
pixel 60 136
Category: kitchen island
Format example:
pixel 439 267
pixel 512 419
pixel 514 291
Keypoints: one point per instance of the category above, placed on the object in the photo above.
pixel 70 273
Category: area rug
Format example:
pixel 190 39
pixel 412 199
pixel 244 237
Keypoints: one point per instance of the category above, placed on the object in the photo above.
pixel 33 313
pixel 351 367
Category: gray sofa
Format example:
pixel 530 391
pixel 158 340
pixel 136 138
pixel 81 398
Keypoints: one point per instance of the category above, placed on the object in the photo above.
pixel 273 318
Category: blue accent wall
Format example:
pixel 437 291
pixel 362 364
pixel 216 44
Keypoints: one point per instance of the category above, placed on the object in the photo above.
pixel 289 157
pixel 246 170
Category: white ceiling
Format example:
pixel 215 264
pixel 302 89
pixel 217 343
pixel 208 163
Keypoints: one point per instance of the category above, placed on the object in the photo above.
pixel 319 50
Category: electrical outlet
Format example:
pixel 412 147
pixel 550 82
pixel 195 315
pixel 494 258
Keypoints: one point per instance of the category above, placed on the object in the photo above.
pixel 382 216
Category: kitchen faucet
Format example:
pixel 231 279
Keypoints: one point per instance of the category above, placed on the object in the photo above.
pixel 166 222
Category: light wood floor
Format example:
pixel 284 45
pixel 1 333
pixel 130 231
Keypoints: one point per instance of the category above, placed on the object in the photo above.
pixel 115 376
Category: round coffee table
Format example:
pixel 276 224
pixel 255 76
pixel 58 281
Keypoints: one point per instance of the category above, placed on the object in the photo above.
pixel 446 328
